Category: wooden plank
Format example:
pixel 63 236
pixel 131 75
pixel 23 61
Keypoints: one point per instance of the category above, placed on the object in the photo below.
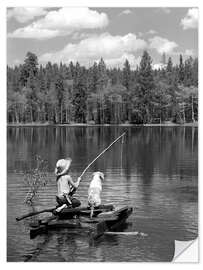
pixel 116 219
pixel 53 224
pixel 98 230
pixel 86 209
pixel 97 226
pixel 64 224
pixel 122 216
pixel 66 210
pixel 38 230
pixel 98 219
pixel 35 213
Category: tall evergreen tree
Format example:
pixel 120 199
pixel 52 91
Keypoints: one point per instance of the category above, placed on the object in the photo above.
pixel 181 70
pixel 126 75
pixel 79 94
pixel 169 67
pixel 163 59
pixel 195 72
pixel 101 85
pixel 188 72
pixel 169 71
pixel 145 86
pixel 59 86
pixel 29 68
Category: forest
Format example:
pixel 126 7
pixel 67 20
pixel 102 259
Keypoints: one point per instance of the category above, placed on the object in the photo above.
pixel 71 93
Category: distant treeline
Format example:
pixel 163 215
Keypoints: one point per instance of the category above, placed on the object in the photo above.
pixel 60 94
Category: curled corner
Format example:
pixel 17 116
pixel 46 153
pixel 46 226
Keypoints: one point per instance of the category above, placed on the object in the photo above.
pixel 186 251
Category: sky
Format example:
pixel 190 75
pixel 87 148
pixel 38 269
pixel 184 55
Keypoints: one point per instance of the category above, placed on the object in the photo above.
pixel 83 34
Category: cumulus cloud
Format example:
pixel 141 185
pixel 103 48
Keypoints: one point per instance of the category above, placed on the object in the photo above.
pixel 152 32
pixel 186 53
pixel 190 21
pixel 34 32
pixel 125 12
pixel 25 14
pixel 189 52
pixel 162 45
pixel 119 61
pixel 166 10
pixel 114 50
pixel 62 22
pixel 78 35
pixel 140 34
pixel 158 66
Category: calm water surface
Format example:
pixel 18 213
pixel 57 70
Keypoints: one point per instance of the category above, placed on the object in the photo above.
pixel 155 171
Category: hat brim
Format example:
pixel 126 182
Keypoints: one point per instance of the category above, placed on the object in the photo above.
pixel 65 170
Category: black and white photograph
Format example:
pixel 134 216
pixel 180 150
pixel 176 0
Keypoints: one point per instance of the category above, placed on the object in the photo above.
pixel 102 133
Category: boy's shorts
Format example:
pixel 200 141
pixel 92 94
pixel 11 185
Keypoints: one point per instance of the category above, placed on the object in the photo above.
pixel 62 200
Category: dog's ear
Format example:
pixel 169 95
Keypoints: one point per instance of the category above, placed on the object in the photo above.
pixel 101 176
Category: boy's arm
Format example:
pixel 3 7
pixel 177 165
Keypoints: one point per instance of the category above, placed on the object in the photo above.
pixel 74 184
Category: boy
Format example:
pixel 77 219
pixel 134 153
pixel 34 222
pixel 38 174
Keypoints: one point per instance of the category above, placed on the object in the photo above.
pixel 66 186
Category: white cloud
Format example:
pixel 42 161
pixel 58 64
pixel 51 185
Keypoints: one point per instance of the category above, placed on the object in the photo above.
pixel 162 45
pixel 125 12
pixel 186 53
pixel 190 21
pixel 25 14
pixel 78 35
pixel 62 22
pixel 189 52
pixel 158 66
pixel 114 49
pixel 119 62
pixel 140 34
pixel 34 32
pixel 16 62
pixel 152 32
pixel 166 10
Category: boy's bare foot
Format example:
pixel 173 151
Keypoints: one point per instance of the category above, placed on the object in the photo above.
pixel 58 210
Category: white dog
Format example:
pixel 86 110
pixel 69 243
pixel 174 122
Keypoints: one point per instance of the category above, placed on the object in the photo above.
pixel 94 191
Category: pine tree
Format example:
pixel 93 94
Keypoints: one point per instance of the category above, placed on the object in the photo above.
pixel 195 72
pixel 169 67
pixel 181 70
pixel 29 68
pixel 163 60
pixel 79 94
pixel 169 71
pixel 146 85
pixel 59 86
pixel 126 82
pixel 126 75
pixel 188 72
pixel 101 85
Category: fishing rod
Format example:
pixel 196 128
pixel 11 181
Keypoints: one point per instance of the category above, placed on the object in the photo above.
pixel 123 134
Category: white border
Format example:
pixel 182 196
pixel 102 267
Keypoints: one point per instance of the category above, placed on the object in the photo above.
pixel 105 3
pixel 3 189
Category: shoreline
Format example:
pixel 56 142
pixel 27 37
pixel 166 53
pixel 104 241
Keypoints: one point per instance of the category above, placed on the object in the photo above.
pixel 102 125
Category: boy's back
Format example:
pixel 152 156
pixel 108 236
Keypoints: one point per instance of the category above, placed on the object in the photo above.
pixel 63 185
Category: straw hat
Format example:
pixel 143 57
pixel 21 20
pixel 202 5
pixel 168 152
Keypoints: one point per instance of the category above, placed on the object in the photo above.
pixel 62 166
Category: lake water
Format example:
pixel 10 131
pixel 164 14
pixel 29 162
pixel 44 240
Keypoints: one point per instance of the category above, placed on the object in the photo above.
pixel 154 170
